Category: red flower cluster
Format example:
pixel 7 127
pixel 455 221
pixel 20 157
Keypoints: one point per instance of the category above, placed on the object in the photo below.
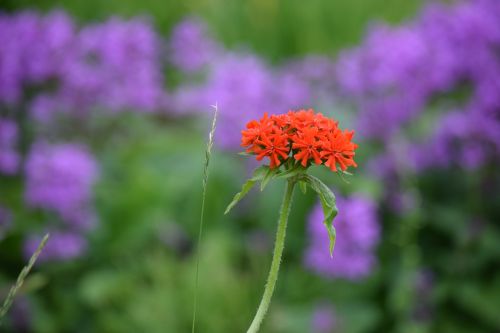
pixel 308 136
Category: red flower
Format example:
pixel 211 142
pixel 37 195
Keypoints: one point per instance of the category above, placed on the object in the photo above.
pixel 303 119
pixel 308 146
pixel 272 146
pixel 284 121
pixel 338 148
pixel 254 131
pixel 311 137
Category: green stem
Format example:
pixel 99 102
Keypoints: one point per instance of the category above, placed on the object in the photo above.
pixel 20 279
pixel 275 264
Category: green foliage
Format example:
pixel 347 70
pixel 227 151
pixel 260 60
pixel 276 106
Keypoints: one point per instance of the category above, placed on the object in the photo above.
pixel 259 174
pixel 264 174
pixel 136 280
pixel 137 277
pixel 327 199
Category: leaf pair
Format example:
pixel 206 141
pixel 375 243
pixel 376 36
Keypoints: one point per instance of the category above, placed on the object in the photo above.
pixel 264 174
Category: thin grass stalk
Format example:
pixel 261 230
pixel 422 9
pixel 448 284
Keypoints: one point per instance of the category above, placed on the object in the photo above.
pixel 20 279
pixel 208 153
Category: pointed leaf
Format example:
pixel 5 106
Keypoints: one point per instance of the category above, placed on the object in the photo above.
pixel 258 175
pixel 328 202
pixel 267 177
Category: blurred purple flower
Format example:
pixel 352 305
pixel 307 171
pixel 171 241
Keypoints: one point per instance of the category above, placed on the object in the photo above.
pixel 43 106
pixel 61 246
pixel 244 87
pixel 33 49
pixel 60 178
pixel 316 74
pixel 115 65
pixel 358 234
pixel 389 86
pixel 398 71
pixel 191 48
pixel 391 167
pixel 9 157
pixel 466 139
pixel 324 319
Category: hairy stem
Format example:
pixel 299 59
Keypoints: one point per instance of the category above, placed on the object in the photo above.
pixel 275 264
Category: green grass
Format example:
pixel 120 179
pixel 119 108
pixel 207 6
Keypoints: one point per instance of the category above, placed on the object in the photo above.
pixel 20 279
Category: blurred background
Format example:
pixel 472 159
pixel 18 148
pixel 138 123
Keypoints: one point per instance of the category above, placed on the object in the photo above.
pixel 104 114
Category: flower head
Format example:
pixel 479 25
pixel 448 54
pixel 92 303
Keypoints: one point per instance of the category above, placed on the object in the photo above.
pixel 273 146
pixel 338 149
pixel 308 145
pixel 304 135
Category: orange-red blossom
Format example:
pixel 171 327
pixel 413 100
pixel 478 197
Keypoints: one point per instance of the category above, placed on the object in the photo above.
pixel 307 136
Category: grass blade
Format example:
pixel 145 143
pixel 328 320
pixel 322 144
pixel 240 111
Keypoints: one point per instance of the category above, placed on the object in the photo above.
pixel 208 153
pixel 20 279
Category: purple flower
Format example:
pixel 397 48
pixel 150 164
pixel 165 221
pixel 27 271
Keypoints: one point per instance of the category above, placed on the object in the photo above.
pixel 358 234
pixel 316 74
pixel 9 157
pixel 467 139
pixel 387 85
pixel 398 71
pixel 115 66
pixel 244 87
pixel 61 246
pixel 324 319
pixel 191 47
pixel 391 167
pixel 60 178
pixel 43 106
pixel 33 49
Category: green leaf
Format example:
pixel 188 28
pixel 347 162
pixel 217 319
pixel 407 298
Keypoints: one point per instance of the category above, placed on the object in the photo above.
pixel 328 203
pixel 267 177
pixel 258 175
